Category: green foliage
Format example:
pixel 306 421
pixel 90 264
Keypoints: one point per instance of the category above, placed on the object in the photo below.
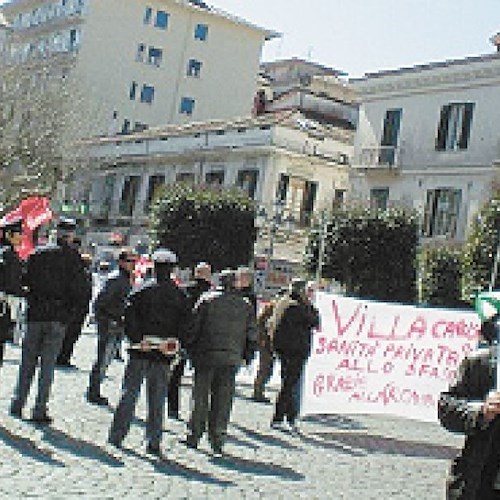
pixel 480 249
pixel 203 223
pixel 441 277
pixel 372 253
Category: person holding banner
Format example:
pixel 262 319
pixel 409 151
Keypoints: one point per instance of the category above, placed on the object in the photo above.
pixel 293 320
pixel 471 406
pixel 11 271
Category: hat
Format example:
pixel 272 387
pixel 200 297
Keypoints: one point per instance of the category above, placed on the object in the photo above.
pixel 12 225
pixel 66 224
pixel 164 256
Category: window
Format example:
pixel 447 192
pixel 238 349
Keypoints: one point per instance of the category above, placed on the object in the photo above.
pixel 186 177
pixel 187 105
pixel 155 182
pixel 147 94
pixel 133 90
pixel 155 56
pixel 126 126
pixel 247 181
pixel 109 186
pixel 215 177
pixel 338 199
pixel 390 136
pixel 148 14
pixel 129 194
pixel 194 68
pixel 140 127
pixel 74 41
pixel 441 212
pixel 201 32
pixel 141 48
pixel 454 126
pixel 161 20
pixel 379 198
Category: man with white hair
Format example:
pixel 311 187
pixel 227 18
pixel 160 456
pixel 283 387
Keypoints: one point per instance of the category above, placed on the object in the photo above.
pixel 155 320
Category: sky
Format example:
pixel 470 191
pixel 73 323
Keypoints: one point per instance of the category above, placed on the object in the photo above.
pixel 364 36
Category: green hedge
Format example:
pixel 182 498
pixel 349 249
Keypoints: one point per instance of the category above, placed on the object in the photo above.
pixel 204 223
pixel 372 253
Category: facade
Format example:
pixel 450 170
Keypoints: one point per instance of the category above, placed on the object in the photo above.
pixel 272 157
pixel 139 64
pixel 427 139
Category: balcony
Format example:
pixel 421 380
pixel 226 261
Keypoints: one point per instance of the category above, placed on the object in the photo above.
pixel 379 157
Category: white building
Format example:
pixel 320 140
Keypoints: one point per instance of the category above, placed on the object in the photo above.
pixel 428 138
pixel 142 63
pixel 273 157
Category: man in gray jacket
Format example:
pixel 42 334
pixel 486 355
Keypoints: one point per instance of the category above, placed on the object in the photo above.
pixel 223 334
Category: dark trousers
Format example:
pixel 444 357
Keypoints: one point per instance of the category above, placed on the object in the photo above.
pixel 42 341
pixel 287 404
pixel 106 337
pixel 2 351
pixel 266 362
pixel 213 394
pixel 72 334
pixel 174 388
pixel 156 374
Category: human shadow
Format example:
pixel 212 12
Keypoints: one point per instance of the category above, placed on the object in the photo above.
pixel 28 448
pixel 79 447
pixel 257 468
pixel 267 439
pixel 170 467
pixel 241 442
pixel 338 421
pixel 387 445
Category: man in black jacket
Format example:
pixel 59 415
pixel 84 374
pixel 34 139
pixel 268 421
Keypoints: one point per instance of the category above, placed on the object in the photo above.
pixel 223 333
pixel 294 319
pixel 52 281
pixel 109 311
pixel 202 283
pixel 155 319
pixel 11 271
pixel 472 407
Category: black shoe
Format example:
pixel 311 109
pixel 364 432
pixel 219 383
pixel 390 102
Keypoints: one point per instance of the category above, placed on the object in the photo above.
pixel 217 451
pixel 97 399
pixel 63 363
pixel 154 449
pixel 191 442
pixel 261 399
pixel 174 415
pixel 15 412
pixel 42 419
pixel 116 444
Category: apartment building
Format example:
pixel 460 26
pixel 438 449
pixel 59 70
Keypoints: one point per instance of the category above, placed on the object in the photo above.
pixel 139 64
pixel 428 139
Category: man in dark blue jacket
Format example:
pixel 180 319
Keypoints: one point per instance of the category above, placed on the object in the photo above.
pixel 53 287
pixel 109 311
pixel 155 320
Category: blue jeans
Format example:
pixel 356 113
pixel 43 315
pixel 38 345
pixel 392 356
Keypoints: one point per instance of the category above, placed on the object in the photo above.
pixel 156 374
pixel 42 341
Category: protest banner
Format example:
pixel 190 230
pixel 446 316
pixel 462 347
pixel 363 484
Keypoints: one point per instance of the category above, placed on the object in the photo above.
pixel 374 357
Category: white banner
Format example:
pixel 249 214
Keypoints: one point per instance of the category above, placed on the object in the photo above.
pixel 374 357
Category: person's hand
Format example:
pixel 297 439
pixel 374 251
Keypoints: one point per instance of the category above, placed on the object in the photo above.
pixel 145 346
pixel 491 407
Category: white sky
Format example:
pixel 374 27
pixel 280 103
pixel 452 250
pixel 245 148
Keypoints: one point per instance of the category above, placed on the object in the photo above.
pixel 360 36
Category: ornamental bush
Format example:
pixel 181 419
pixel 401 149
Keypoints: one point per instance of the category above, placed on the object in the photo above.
pixel 372 253
pixel 480 250
pixel 204 223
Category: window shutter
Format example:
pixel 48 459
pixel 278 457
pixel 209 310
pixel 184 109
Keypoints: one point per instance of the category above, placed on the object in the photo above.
pixel 466 126
pixel 443 128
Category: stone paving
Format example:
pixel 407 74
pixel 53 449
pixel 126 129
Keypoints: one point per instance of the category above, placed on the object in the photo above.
pixel 337 457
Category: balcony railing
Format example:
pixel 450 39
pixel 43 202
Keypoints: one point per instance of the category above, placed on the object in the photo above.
pixel 383 157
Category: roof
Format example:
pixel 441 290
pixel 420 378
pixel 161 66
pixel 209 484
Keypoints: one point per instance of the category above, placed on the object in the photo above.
pixel 325 70
pixel 428 66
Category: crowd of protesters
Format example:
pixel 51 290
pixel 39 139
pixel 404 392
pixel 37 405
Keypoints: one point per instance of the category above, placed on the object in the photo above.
pixel 217 328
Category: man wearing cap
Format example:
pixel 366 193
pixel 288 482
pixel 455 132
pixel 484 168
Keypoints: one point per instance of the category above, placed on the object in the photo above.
pixel 53 281
pixel 155 320
pixel 109 308
pixel 11 271
pixel 222 335
pixel 202 283
pixel 292 322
